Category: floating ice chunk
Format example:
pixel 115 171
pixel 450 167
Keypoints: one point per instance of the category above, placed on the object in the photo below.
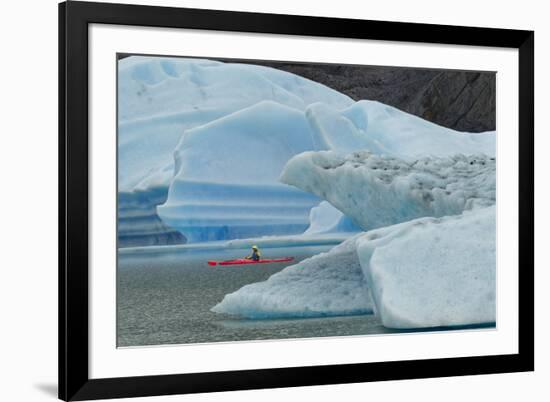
pixel 377 191
pixel 327 284
pixel 433 272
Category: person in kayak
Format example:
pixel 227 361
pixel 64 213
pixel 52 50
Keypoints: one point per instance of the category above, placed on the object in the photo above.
pixel 255 256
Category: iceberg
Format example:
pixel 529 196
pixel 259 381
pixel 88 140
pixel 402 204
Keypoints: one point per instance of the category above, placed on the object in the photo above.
pixel 328 284
pixel 226 182
pixel 238 155
pixel 377 191
pixel 433 272
pixel 424 194
pixel 427 260
pixel 425 273
pixel 160 98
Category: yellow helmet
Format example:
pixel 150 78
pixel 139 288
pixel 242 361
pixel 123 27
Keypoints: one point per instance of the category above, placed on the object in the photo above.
pixel 255 247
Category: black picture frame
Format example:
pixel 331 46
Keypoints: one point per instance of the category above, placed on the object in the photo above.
pixel 74 18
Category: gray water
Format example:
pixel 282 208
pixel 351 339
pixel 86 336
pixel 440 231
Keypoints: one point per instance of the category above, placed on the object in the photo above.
pixel 166 299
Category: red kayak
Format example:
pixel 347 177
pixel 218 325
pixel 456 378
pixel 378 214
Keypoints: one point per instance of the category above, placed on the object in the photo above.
pixel 242 261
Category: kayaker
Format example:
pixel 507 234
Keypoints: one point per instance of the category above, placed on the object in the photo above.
pixel 255 256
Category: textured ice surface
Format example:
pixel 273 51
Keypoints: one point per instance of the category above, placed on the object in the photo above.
pixel 433 272
pixel 327 284
pixel 377 191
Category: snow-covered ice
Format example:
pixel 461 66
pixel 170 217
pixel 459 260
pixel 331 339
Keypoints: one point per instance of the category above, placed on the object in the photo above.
pixel 327 284
pixel 377 191
pixel 433 272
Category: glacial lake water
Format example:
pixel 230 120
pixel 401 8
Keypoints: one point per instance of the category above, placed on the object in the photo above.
pixel 166 297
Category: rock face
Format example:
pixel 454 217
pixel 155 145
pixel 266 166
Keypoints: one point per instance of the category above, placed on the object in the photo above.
pixel 461 100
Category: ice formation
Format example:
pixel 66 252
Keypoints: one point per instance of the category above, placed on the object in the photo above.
pixel 377 191
pixel 430 260
pixel 160 98
pixel 424 273
pixel 327 284
pixel 433 272
pixel 202 145
pixel 241 155
pixel 218 134
pixel 226 182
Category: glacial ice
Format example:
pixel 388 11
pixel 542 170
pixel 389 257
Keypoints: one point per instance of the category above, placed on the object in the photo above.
pixel 327 284
pixel 433 272
pixel 386 130
pixel 324 219
pixel 226 182
pixel 424 273
pixel 251 146
pixel 377 191
pixel 160 98
pixel 421 271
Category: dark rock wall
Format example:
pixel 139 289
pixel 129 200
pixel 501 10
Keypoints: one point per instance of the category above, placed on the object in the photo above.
pixel 461 100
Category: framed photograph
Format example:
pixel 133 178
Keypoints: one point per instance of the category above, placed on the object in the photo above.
pixel 258 201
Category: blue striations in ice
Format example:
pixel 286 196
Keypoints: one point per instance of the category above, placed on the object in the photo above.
pixel 226 182
pixel 218 135
pixel 423 273
pixel 138 222
pixel 160 98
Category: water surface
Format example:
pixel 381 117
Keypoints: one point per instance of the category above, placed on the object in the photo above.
pixel 166 297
